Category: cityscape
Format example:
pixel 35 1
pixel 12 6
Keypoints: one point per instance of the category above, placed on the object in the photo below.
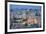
pixel 25 16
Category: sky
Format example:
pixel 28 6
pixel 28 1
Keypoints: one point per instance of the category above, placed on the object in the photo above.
pixel 22 7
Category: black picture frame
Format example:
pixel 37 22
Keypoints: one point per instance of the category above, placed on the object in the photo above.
pixel 25 2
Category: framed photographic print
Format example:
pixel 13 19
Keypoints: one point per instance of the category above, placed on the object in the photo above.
pixel 22 16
